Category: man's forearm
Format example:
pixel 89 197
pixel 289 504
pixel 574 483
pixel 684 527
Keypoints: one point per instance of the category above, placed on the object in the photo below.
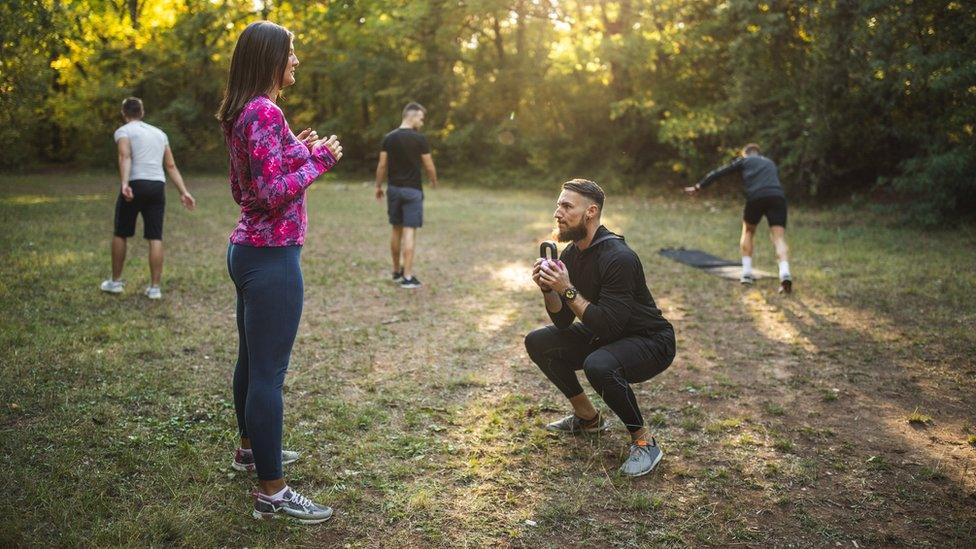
pixel 554 303
pixel 578 306
pixel 174 174
pixel 380 177
pixel 432 176
pixel 125 168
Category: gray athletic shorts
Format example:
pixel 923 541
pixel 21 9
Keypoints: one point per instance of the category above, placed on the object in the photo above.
pixel 405 206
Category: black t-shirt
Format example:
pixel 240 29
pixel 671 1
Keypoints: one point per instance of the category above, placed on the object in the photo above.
pixel 403 148
pixel 610 276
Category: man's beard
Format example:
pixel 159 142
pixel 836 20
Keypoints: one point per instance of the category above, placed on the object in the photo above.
pixel 572 233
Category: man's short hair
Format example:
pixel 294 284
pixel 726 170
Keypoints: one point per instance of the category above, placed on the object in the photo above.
pixel 132 107
pixel 411 107
pixel 751 147
pixel 587 188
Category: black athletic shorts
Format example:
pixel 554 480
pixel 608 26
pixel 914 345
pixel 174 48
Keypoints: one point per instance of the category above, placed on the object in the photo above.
pixel 149 199
pixel 773 207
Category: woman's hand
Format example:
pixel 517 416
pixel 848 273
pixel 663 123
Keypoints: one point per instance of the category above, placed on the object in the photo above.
pixel 332 143
pixel 308 137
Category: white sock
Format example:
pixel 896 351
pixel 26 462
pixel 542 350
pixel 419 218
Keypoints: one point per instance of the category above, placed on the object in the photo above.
pixel 246 450
pixel 746 265
pixel 279 495
pixel 784 270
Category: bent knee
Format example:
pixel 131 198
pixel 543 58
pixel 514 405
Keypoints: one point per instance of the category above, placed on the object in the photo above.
pixel 599 364
pixel 535 341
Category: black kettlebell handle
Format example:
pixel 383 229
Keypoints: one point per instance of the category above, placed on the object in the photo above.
pixel 551 246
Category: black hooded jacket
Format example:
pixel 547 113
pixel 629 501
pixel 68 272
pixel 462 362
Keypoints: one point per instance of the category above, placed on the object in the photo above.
pixel 610 276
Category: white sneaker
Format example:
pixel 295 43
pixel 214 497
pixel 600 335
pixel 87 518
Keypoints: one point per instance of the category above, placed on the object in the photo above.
pixel 112 286
pixel 153 292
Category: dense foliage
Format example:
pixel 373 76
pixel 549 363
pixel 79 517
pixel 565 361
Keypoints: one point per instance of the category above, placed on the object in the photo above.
pixel 872 97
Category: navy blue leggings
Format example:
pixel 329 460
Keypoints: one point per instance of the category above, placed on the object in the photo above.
pixel 270 290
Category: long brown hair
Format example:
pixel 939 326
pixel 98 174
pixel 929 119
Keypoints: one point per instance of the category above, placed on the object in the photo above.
pixel 257 67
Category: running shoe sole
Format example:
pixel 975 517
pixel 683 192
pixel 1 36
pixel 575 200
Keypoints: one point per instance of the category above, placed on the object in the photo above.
pixel 585 431
pixel 263 516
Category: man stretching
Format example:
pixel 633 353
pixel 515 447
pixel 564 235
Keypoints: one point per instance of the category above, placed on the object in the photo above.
pixel 764 197
pixel 405 151
pixel 620 337
pixel 143 153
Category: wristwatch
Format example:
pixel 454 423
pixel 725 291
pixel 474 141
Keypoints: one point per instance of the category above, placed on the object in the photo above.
pixel 570 294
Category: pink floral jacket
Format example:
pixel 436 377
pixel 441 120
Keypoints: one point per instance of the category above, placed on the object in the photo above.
pixel 269 172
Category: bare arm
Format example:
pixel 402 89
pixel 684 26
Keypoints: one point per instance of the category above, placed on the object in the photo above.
pixel 125 166
pixel 430 169
pixel 174 173
pixel 381 171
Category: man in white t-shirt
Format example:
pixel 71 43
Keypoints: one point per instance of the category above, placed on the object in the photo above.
pixel 143 154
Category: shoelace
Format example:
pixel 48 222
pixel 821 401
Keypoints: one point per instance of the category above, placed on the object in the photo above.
pixel 300 499
pixel 646 449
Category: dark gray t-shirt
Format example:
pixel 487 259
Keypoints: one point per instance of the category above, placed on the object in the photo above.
pixel 760 177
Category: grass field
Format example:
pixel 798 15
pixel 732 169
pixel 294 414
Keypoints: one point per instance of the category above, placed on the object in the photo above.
pixel 843 415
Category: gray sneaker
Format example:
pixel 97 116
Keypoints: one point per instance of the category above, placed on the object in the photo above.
pixel 575 425
pixel 642 459
pixel 244 461
pixel 293 506
pixel 747 280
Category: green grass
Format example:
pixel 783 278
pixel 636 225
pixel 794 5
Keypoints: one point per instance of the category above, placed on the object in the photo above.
pixel 419 415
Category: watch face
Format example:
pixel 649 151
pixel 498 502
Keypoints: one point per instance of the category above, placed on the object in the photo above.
pixel 571 294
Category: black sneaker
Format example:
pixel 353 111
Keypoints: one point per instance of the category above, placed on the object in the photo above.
pixel 293 506
pixel 786 286
pixel 412 282
pixel 398 275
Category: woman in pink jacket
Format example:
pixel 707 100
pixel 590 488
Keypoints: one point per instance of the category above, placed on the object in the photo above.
pixel 270 170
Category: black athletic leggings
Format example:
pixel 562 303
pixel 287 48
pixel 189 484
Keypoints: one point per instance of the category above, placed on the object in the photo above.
pixel 610 368
pixel 270 290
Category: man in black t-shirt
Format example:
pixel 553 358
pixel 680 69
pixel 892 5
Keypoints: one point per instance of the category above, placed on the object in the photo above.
pixel 604 322
pixel 405 151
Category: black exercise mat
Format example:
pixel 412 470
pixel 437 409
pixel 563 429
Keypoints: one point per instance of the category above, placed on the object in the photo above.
pixel 709 263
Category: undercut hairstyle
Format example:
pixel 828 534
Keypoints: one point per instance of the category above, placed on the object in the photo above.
pixel 587 188
pixel 132 108
pixel 412 107
pixel 257 67
pixel 751 147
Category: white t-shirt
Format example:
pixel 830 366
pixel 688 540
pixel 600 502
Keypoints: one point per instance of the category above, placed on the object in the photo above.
pixel 148 145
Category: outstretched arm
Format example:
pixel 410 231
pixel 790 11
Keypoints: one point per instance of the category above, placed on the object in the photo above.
pixel 710 178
